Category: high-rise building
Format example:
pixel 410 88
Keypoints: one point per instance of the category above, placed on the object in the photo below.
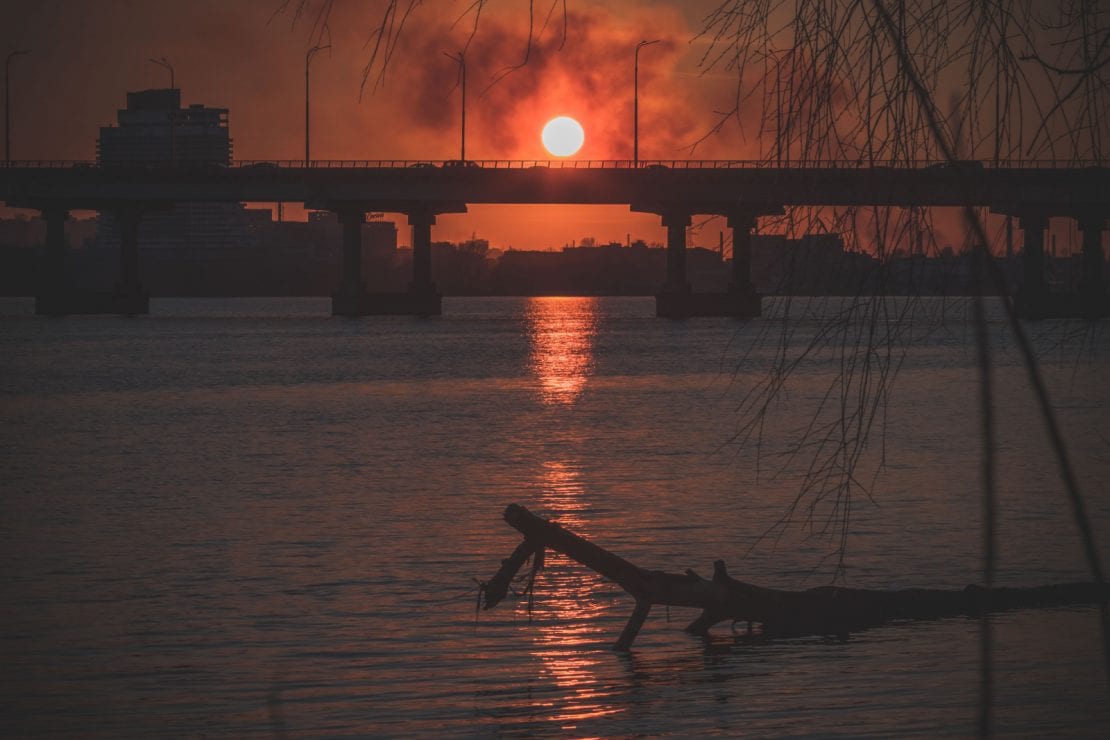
pixel 155 130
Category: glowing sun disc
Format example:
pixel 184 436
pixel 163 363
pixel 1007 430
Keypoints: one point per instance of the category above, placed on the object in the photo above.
pixel 563 136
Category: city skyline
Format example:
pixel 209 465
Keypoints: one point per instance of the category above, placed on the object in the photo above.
pixel 244 57
pixel 250 57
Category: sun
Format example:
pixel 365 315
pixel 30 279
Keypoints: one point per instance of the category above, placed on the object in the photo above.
pixel 563 136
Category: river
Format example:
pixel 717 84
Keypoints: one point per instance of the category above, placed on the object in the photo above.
pixel 246 518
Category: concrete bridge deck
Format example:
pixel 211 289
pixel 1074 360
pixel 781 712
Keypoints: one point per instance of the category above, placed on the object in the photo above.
pixel 708 185
pixel 676 190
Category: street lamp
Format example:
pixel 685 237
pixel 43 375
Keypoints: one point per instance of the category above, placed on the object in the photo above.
pixel 778 111
pixel 636 102
pixel 460 59
pixel 308 60
pixel 162 62
pixel 7 107
pixel 780 56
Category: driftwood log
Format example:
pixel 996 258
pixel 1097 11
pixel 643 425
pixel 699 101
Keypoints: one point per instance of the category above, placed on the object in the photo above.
pixel 827 610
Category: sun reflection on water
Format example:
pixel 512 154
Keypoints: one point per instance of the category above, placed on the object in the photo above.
pixel 571 602
pixel 562 332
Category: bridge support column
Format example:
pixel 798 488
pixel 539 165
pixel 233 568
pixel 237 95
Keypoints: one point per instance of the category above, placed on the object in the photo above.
pixel 1032 298
pixel 747 301
pixel 673 301
pixel 1093 301
pixel 349 299
pixel 54 290
pixel 129 298
pixel 677 300
pixel 422 291
pixel 676 224
pixel 421 222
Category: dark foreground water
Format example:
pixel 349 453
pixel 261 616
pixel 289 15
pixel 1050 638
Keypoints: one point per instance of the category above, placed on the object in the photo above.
pixel 245 518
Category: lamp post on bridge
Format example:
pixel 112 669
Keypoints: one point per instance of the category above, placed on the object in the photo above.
pixel 636 102
pixel 307 61
pixel 782 114
pixel 163 62
pixel 7 106
pixel 460 59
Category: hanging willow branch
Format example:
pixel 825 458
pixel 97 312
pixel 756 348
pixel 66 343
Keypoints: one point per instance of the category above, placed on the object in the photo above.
pixel 396 17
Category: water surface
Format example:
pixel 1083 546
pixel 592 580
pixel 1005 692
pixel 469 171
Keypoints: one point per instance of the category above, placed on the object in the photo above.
pixel 246 518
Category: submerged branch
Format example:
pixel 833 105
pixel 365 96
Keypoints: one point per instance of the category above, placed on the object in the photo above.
pixel 817 611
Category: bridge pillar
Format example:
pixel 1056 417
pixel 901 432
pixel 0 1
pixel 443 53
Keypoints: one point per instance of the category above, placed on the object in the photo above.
pixel 129 298
pixel 741 225
pixel 677 300
pixel 1092 286
pixel 421 222
pixel 741 289
pixel 676 223
pixel 674 300
pixel 422 291
pixel 1032 298
pixel 54 290
pixel 349 299
pixel 1033 228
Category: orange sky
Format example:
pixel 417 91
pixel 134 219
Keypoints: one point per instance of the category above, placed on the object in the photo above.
pixel 238 54
pixel 86 56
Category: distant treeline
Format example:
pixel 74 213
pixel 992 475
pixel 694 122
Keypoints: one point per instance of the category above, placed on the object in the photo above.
pixel 807 266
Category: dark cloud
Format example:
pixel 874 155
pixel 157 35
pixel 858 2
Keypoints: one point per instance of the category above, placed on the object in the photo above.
pixel 589 76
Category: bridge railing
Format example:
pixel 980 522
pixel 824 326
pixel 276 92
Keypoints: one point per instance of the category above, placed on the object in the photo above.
pixel 48 164
pixel 591 164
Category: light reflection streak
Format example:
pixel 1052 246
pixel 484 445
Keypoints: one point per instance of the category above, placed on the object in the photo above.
pixel 562 334
pixel 568 629
pixel 570 605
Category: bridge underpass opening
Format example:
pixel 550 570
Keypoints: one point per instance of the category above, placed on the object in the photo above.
pixel 544 227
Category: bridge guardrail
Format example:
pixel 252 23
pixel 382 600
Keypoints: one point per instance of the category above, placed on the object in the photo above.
pixel 591 164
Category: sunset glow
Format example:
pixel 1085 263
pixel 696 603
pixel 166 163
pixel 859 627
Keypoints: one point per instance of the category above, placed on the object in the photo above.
pixel 355 390
pixel 563 136
pixel 561 331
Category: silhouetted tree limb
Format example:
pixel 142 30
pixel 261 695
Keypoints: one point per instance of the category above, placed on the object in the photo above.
pixel 384 39
pixel 824 610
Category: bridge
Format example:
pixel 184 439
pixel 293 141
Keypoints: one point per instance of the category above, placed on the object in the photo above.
pixel 675 190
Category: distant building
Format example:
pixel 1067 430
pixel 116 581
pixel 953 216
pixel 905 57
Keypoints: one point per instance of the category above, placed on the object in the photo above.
pixel 155 129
